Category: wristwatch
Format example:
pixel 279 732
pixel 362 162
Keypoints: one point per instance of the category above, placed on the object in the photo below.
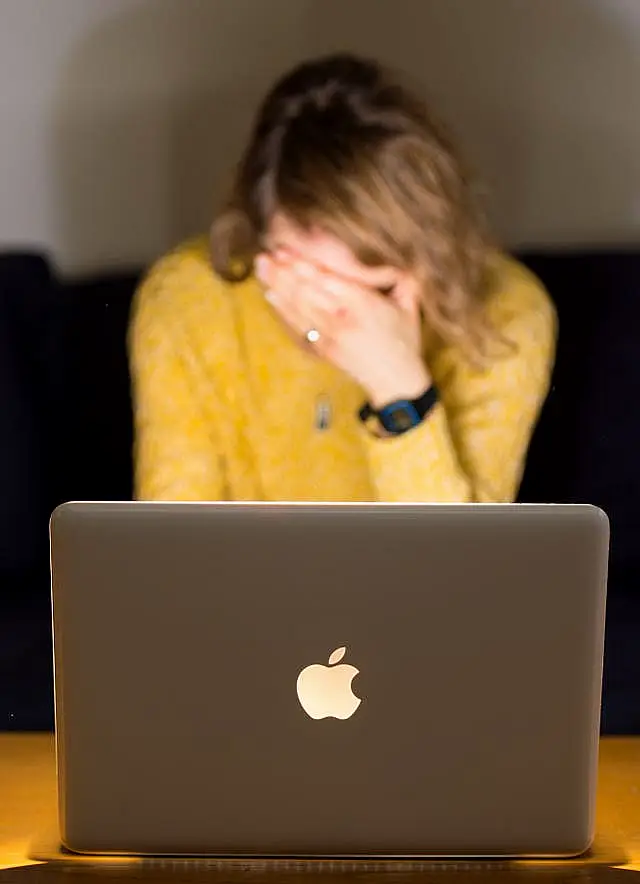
pixel 402 415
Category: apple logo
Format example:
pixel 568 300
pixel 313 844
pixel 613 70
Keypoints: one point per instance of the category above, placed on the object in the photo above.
pixel 325 691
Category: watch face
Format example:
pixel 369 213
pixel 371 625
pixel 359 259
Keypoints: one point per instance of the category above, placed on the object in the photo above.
pixel 399 418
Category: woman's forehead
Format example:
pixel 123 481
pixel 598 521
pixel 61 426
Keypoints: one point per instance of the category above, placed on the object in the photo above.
pixel 323 251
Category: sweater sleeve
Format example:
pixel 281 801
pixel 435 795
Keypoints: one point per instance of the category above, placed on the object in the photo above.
pixel 473 444
pixel 176 457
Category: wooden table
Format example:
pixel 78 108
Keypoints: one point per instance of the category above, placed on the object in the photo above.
pixel 28 804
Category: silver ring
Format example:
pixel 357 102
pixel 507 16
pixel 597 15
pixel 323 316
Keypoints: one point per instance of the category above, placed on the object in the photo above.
pixel 313 336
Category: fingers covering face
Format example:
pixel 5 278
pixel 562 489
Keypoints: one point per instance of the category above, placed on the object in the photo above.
pixel 304 297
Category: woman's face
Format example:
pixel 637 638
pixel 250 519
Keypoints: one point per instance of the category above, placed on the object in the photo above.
pixel 328 254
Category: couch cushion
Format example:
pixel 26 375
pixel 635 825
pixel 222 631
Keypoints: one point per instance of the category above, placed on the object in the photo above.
pixel 585 449
pixel 89 385
pixel 26 294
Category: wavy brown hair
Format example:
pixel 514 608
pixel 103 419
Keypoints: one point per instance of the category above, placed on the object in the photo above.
pixel 340 144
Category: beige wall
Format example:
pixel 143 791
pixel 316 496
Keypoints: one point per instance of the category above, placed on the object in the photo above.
pixel 120 118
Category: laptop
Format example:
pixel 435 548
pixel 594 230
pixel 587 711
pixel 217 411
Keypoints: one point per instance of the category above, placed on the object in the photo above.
pixel 328 680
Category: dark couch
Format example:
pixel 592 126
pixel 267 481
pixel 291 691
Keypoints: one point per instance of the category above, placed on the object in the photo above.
pixel 67 434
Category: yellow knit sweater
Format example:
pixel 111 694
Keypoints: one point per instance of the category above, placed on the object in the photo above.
pixel 227 406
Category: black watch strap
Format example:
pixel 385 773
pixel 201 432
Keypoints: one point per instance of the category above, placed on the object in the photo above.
pixel 402 415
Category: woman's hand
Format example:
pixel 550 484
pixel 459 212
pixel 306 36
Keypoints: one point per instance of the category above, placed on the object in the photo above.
pixel 376 339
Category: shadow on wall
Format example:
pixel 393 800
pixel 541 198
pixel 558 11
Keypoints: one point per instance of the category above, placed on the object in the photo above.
pixel 543 96
pixel 153 107
pixel 151 112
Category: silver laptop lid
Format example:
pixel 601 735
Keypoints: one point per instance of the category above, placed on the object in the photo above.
pixel 207 697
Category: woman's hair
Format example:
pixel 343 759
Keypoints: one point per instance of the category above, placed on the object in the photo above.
pixel 341 145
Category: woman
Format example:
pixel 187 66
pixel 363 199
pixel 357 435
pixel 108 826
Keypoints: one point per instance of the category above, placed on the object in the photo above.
pixel 348 333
